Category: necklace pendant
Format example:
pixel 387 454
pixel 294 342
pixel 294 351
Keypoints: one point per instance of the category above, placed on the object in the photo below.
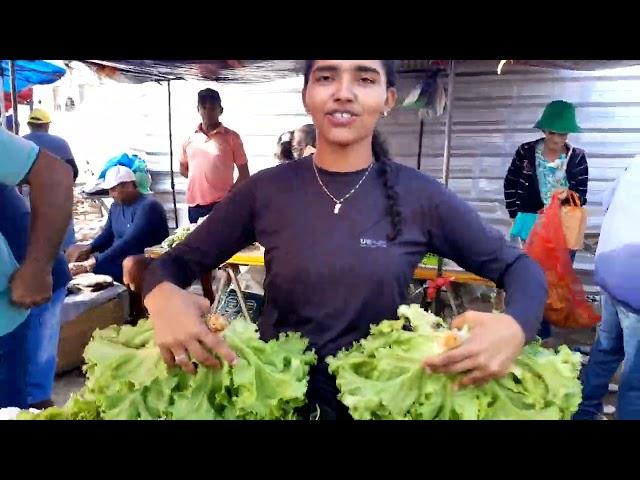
pixel 336 209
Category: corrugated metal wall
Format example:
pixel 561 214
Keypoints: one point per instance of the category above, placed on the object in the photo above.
pixel 493 114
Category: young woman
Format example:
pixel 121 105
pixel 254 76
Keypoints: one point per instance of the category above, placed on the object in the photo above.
pixel 343 231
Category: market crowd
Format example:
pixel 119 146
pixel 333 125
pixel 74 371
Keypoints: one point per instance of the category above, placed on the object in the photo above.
pixel 336 203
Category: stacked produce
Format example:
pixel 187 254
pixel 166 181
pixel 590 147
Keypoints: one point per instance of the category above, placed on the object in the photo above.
pixel 127 379
pixel 180 234
pixel 381 377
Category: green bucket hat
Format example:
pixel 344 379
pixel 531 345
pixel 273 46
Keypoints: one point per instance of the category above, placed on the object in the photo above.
pixel 560 117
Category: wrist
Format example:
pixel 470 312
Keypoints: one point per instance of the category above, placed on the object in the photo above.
pixel 36 264
pixel 160 291
pixel 518 330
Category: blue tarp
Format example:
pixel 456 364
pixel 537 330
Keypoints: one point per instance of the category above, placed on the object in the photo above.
pixel 31 72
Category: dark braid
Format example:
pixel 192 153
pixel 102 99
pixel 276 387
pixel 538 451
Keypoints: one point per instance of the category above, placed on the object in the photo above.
pixel 380 155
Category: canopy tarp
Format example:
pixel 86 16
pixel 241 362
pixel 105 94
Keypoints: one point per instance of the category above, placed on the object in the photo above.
pixel 251 71
pixel 30 73
pixel 139 71
pixel 579 65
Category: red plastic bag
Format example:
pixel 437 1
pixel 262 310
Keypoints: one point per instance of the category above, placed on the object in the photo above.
pixel 567 305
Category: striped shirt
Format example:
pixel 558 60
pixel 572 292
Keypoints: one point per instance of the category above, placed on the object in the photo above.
pixel 521 186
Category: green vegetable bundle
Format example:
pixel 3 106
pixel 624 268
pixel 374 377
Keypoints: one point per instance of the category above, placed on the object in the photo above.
pixel 178 236
pixel 381 377
pixel 127 379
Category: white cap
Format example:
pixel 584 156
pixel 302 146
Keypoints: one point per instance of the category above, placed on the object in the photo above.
pixel 117 175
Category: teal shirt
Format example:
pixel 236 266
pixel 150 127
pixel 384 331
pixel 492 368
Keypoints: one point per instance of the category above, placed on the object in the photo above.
pixel 551 175
pixel 17 156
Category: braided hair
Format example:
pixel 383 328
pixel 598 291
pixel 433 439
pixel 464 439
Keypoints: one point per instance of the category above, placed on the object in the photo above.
pixel 380 155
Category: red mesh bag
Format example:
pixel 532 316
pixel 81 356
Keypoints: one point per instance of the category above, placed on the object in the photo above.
pixel 567 305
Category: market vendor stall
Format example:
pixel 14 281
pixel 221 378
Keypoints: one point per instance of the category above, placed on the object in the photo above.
pixel 253 256
pixel 84 312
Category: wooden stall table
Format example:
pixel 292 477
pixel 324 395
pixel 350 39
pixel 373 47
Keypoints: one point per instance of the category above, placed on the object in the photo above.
pixel 83 313
pixel 250 256
pixel 423 272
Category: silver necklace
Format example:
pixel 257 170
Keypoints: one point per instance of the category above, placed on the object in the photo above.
pixel 338 203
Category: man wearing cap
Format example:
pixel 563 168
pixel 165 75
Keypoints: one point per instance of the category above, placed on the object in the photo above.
pixel 135 222
pixel 208 158
pixel 28 284
pixel 38 123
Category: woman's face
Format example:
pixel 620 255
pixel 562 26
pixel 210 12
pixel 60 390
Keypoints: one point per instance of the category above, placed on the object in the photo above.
pixel 555 141
pixel 346 98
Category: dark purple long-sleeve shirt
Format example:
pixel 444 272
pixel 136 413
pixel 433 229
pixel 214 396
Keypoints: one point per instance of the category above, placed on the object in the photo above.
pixel 331 276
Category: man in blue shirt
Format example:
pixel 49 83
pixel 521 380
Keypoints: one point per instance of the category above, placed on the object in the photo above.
pixel 135 222
pixel 39 123
pixel 43 322
pixel 30 283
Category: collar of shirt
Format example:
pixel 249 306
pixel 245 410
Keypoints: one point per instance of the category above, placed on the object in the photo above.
pixel 220 130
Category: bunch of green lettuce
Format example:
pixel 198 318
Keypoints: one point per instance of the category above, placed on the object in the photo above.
pixel 178 236
pixel 381 377
pixel 127 379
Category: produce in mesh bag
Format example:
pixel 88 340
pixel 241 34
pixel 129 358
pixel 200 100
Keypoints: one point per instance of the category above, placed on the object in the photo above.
pixel 382 377
pixel 567 305
pixel 127 379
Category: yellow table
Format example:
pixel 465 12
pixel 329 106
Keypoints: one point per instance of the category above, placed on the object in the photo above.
pixel 255 257
pixel 250 256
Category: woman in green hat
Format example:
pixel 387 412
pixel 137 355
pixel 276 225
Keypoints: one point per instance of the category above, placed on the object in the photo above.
pixel 545 166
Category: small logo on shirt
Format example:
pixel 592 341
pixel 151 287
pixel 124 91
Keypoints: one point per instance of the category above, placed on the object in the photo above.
pixel 368 243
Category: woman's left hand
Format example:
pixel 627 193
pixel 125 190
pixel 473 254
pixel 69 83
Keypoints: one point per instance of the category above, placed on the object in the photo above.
pixel 494 342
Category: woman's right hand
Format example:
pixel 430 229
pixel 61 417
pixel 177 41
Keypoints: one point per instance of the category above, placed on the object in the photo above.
pixel 180 331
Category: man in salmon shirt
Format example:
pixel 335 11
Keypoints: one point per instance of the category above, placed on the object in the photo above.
pixel 208 158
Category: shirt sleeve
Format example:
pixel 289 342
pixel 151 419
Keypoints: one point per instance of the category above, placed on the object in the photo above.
pixel 455 231
pixel 512 183
pixel 183 154
pixel 18 156
pixel 239 155
pixel 105 239
pixel 227 229
pixel 578 178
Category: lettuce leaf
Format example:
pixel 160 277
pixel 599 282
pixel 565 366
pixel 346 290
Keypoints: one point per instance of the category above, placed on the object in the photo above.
pixel 127 379
pixel 381 377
